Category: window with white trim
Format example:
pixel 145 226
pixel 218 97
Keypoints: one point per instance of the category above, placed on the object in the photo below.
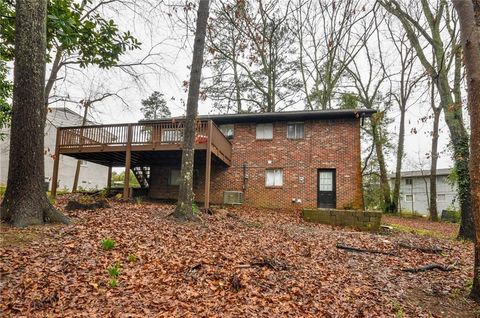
pixel 295 131
pixel 325 182
pixel 227 130
pixel 408 181
pixel 408 197
pixel 264 131
pixel 273 177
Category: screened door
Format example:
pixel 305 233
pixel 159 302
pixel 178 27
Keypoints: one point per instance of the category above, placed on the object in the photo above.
pixel 326 189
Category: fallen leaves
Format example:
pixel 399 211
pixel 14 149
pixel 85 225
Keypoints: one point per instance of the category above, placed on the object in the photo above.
pixel 241 262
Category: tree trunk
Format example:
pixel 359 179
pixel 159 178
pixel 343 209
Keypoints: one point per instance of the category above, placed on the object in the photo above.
pixel 433 166
pixel 469 17
pixel 77 169
pixel 185 208
pixel 398 168
pixel 377 141
pixel 461 155
pixel 25 202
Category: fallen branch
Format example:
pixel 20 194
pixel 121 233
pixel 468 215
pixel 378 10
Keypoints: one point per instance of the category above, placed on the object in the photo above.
pixel 362 250
pixel 271 263
pixel 430 267
pixel 432 250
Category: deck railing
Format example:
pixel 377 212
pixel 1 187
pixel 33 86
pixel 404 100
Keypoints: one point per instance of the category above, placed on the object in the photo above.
pixel 141 134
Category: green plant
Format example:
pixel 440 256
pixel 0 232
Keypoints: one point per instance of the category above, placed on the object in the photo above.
pixel 469 283
pixel 398 310
pixel 132 258
pixel 108 244
pixel 114 270
pixel 113 282
pixel 451 215
pixel 195 209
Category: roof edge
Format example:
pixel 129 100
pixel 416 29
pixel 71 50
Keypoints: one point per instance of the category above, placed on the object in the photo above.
pixel 280 116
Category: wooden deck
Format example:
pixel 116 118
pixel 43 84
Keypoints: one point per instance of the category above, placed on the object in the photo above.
pixel 139 145
pixel 163 136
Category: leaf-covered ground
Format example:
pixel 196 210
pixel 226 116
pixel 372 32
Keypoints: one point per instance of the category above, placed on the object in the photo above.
pixel 236 263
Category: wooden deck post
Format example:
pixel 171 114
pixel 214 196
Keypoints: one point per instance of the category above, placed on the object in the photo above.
pixel 128 158
pixel 208 165
pixel 56 163
pixel 109 179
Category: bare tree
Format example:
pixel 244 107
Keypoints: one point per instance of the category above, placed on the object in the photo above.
pixel 25 202
pixel 369 81
pixel 185 209
pixel 405 82
pixel 260 51
pixel 431 22
pixel 330 35
pixel 434 154
pixel 469 17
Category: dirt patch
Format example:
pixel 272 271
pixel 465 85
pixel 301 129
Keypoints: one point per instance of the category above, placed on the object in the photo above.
pixel 422 226
pixel 16 237
pixel 440 303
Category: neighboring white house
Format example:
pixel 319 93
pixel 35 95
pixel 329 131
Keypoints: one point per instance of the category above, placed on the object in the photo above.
pixel 92 176
pixel 415 191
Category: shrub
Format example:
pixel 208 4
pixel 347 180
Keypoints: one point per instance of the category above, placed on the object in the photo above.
pixel 108 244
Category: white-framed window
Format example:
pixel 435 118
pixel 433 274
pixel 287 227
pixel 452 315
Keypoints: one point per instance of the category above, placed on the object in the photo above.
pixel 264 131
pixel 408 197
pixel 441 197
pixel 227 130
pixel 295 130
pixel 175 177
pixel 409 181
pixel 172 135
pixel 325 182
pixel 273 177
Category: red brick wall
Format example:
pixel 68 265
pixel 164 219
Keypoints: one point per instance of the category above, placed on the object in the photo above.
pixel 328 144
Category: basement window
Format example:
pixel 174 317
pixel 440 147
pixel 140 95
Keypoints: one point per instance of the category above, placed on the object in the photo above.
pixel 295 130
pixel 175 177
pixel 274 178
pixel 264 131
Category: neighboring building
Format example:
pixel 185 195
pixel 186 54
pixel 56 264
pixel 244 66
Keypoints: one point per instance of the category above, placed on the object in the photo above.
pixel 287 159
pixel 415 191
pixel 92 176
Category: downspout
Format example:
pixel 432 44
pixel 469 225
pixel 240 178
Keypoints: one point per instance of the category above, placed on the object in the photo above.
pixel 245 177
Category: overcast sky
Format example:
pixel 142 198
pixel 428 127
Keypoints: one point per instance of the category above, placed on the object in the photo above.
pixel 172 54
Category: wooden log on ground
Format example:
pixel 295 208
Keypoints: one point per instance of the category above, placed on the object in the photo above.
pixel 432 250
pixel 363 250
pixel 429 267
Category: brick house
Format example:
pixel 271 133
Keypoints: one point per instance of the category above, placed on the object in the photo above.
pixel 285 160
